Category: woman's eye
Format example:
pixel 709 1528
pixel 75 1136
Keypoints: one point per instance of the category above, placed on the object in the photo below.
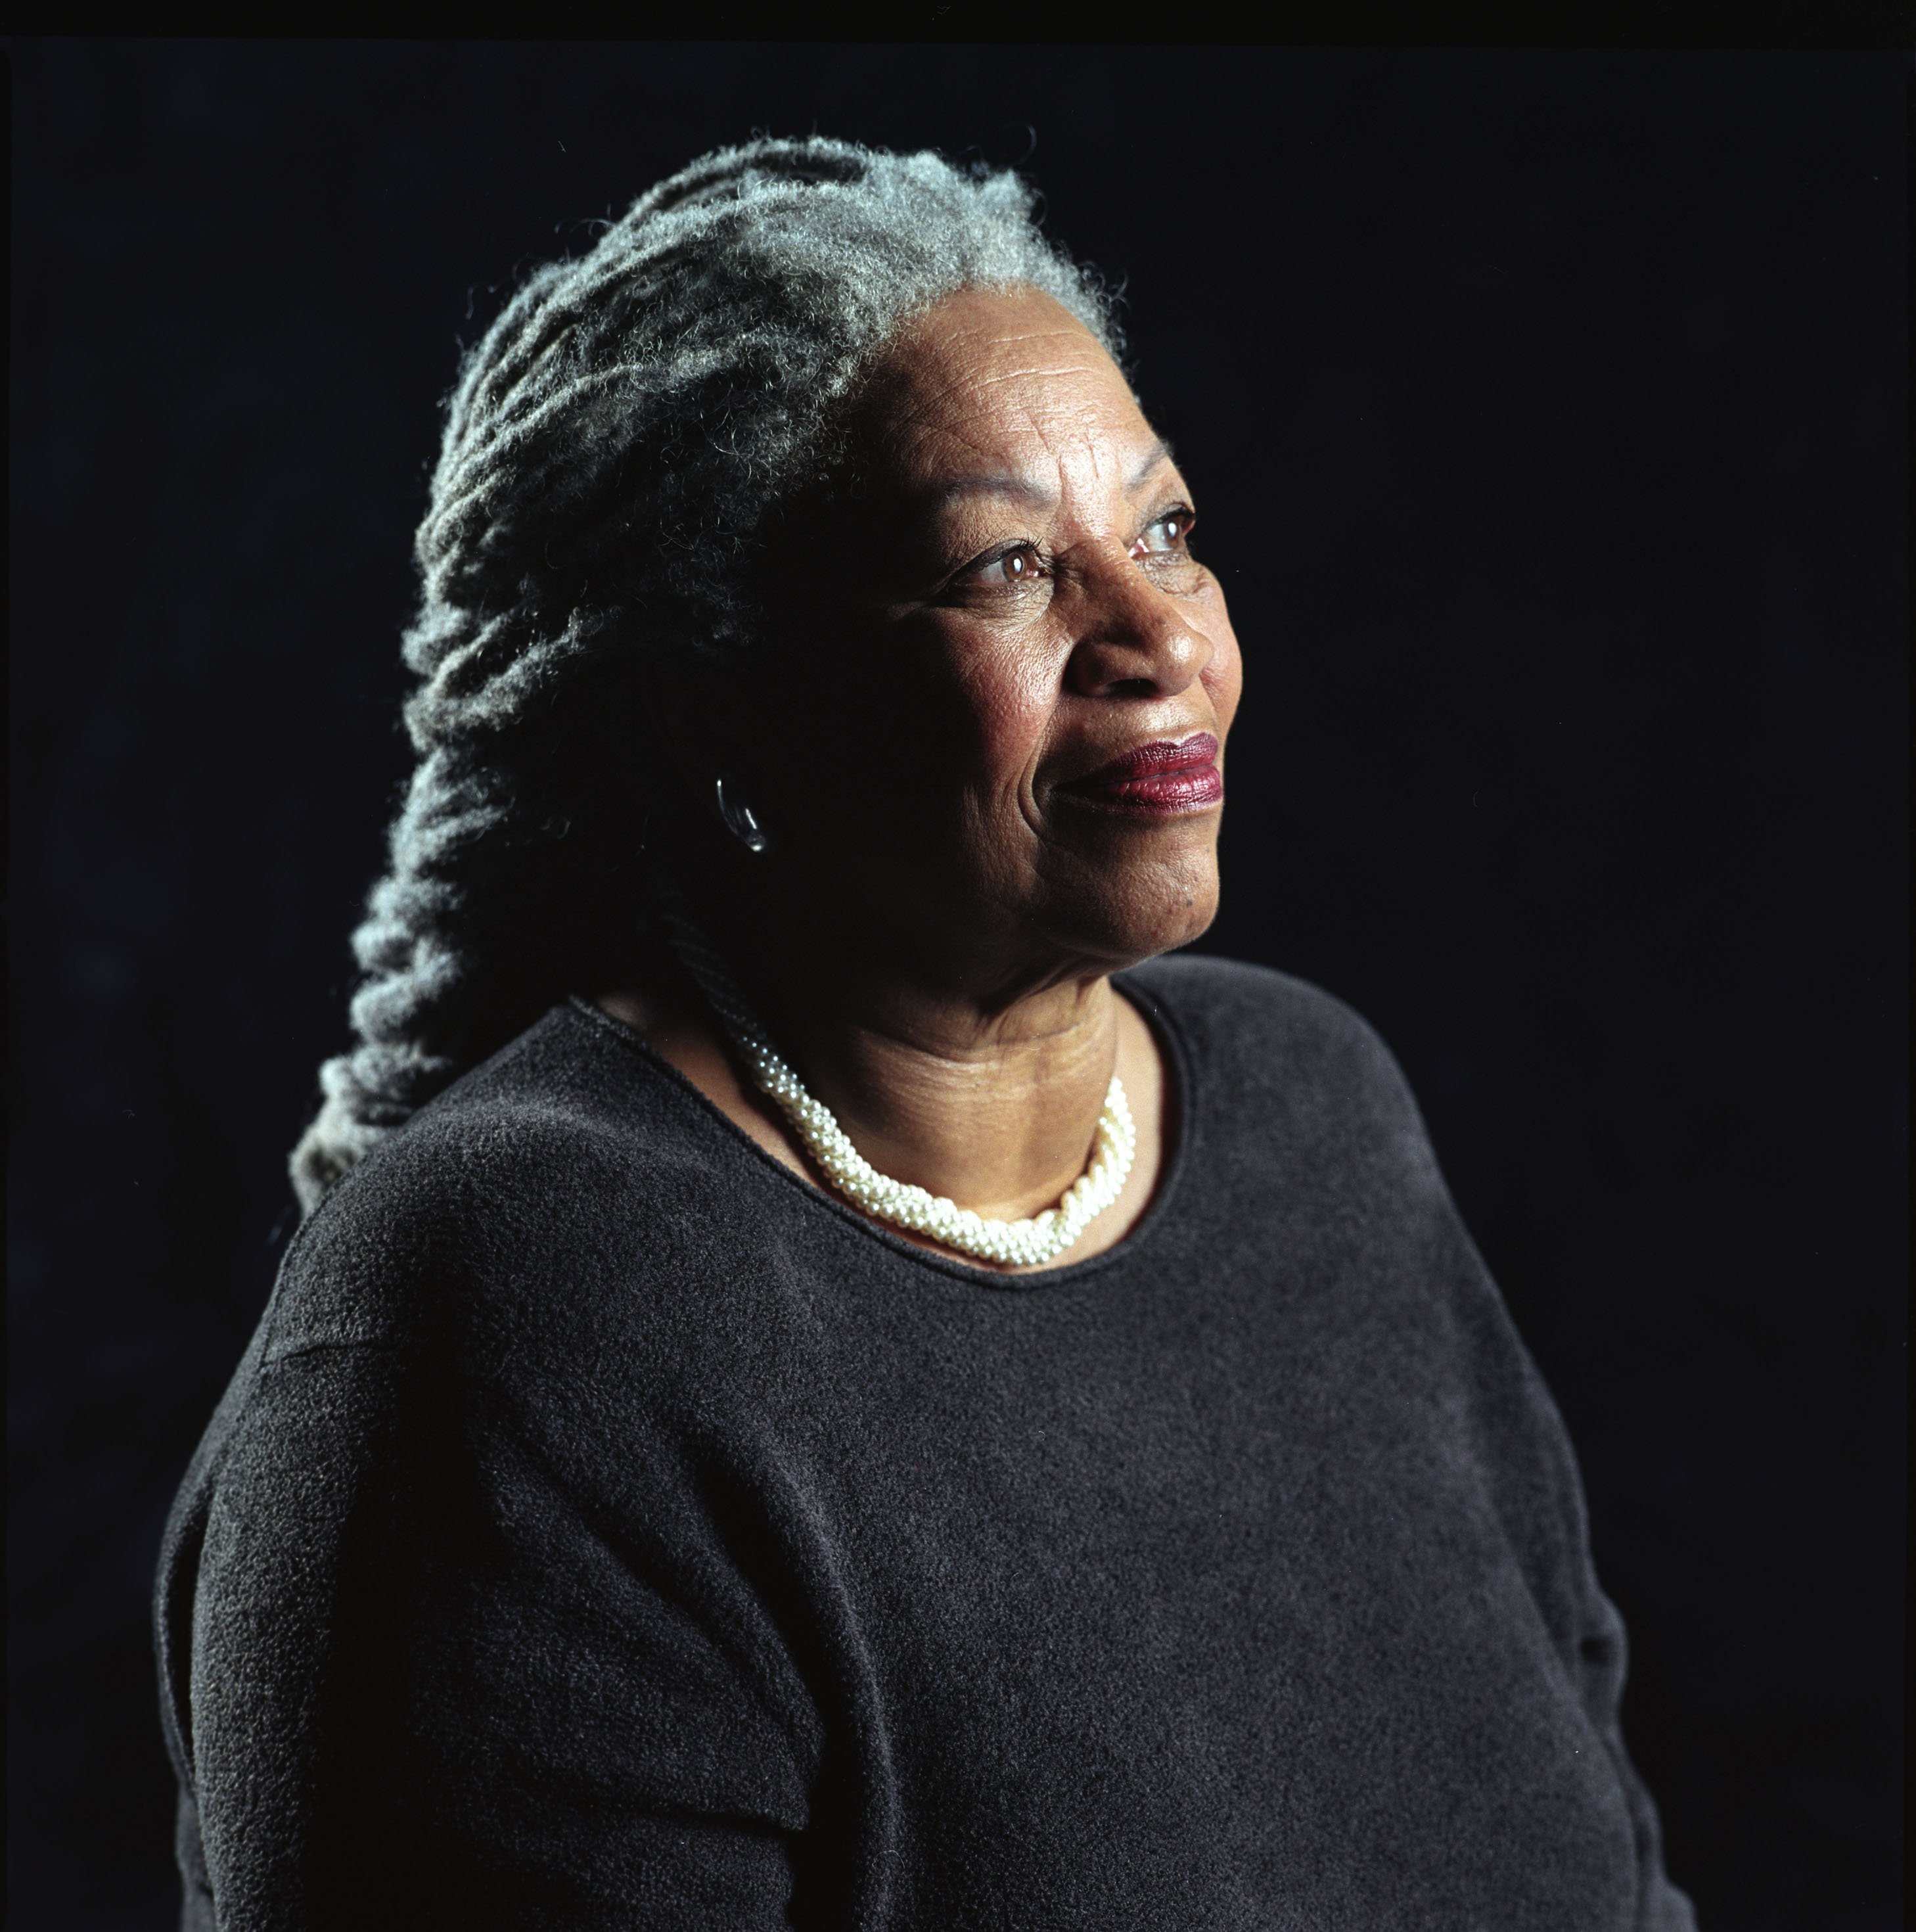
pixel 1015 566
pixel 1167 537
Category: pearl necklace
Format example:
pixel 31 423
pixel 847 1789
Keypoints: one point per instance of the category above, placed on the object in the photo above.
pixel 1026 1243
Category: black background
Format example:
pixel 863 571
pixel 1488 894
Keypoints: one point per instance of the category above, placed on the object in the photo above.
pixel 1546 412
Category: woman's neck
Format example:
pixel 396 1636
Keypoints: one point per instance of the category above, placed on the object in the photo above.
pixel 995 1106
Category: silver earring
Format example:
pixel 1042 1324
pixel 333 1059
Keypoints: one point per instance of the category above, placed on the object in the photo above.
pixel 739 818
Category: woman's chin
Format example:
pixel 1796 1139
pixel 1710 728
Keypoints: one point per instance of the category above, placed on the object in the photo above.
pixel 1144 909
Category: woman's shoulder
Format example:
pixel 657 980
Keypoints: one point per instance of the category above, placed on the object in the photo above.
pixel 570 1144
pixel 530 1249
pixel 1237 993
pixel 1254 1032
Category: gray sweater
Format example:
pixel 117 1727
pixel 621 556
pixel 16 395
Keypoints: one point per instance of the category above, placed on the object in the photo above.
pixel 606 1528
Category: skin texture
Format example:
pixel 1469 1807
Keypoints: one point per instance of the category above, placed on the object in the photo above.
pixel 1007 603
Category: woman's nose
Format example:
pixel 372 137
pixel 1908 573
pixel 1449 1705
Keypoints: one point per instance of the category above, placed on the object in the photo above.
pixel 1135 640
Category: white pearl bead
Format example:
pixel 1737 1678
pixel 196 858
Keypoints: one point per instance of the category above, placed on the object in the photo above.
pixel 1030 1242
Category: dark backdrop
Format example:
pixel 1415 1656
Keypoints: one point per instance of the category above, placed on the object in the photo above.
pixel 1547 413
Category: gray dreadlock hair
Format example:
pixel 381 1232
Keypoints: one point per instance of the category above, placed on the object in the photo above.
pixel 614 450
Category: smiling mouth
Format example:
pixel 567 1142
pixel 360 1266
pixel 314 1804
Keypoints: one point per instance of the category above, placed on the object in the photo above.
pixel 1158 781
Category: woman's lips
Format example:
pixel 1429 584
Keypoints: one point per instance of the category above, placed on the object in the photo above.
pixel 1157 780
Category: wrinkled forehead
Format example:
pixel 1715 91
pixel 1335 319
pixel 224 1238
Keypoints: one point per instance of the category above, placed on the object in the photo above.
pixel 992 378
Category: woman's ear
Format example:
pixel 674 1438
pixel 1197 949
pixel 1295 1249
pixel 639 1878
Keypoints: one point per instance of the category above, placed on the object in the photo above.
pixel 681 709
pixel 708 768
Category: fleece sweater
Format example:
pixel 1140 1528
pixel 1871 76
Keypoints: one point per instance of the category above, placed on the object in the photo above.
pixel 607 1528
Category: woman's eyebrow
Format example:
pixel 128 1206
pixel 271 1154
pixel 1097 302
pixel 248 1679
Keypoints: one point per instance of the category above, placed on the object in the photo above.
pixel 1159 453
pixel 1025 491
pixel 1021 488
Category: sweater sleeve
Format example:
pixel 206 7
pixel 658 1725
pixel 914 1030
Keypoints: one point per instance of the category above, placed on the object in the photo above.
pixel 1601 1655
pixel 1525 1447
pixel 1529 1468
pixel 428 1688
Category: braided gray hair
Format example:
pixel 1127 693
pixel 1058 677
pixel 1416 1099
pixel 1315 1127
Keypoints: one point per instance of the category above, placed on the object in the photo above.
pixel 613 449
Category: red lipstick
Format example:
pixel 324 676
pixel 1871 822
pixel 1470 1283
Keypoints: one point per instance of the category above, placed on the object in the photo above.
pixel 1157 780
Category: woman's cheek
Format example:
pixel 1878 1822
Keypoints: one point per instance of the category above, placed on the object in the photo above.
pixel 1006 696
pixel 1223 677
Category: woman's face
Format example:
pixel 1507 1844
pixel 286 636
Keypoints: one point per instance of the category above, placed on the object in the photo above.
pixel 996 734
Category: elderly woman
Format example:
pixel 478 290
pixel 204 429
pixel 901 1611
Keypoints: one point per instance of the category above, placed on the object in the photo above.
pixel 817 1387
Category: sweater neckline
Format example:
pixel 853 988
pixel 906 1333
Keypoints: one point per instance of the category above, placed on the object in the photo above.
pixel 1172 1045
